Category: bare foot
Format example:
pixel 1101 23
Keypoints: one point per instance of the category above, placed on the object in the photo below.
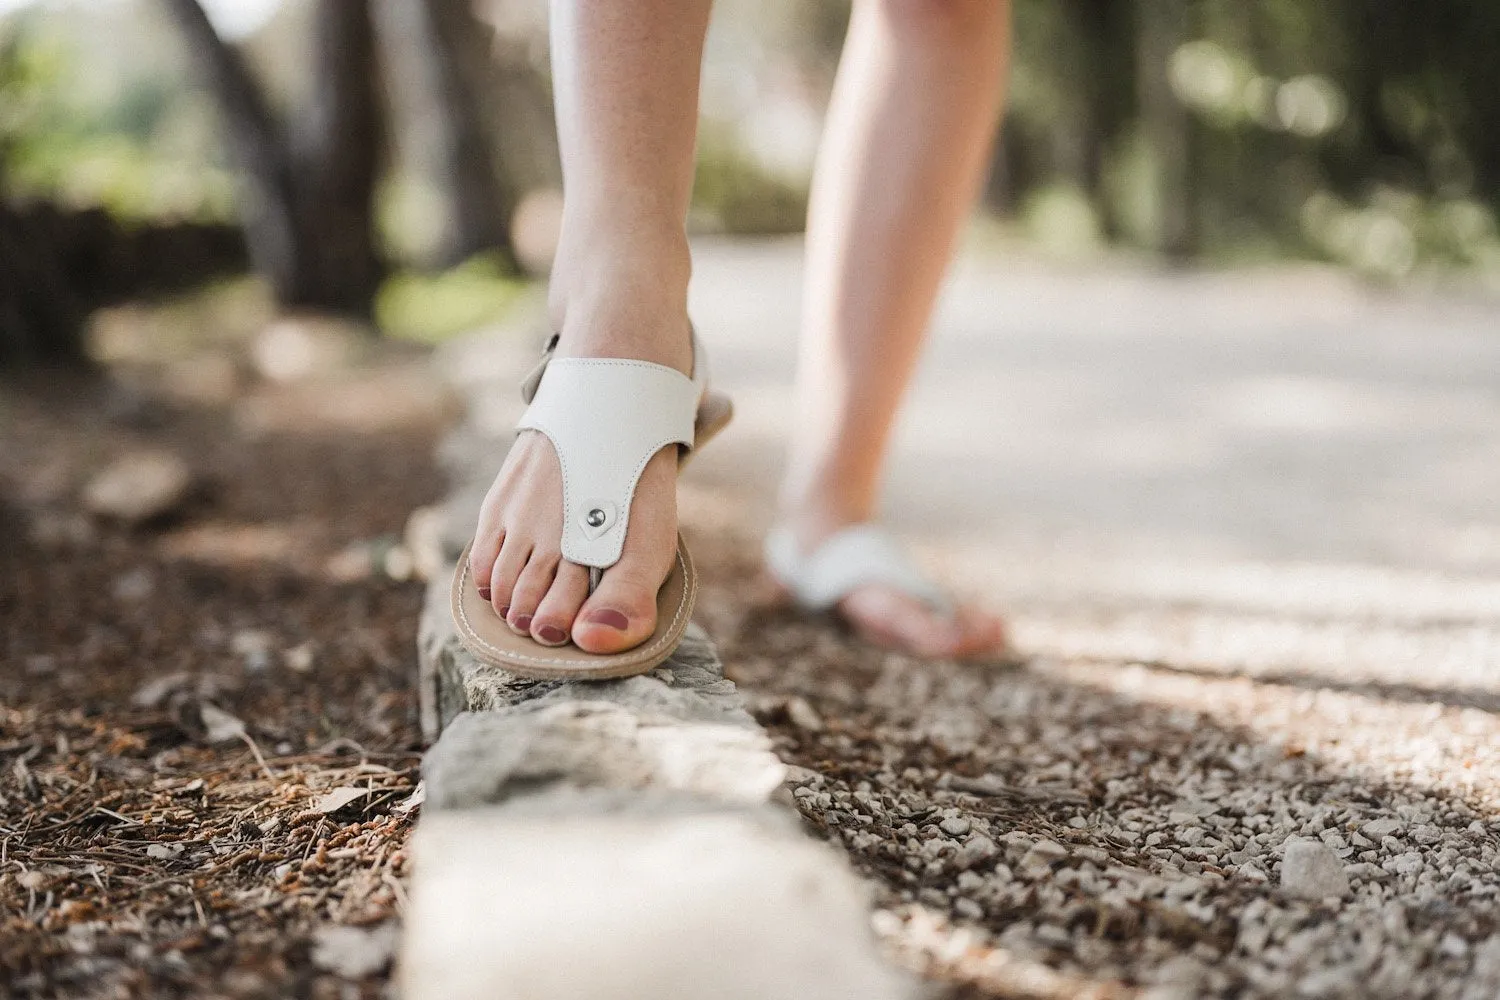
pixel 516 559
pixel 900 622
pixel 890 617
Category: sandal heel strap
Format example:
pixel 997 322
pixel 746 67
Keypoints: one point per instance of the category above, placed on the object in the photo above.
pixel 850 559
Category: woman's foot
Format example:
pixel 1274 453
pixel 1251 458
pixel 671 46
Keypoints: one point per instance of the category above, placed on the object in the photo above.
pixel 516 559
pixel 898 621
pixel 898 618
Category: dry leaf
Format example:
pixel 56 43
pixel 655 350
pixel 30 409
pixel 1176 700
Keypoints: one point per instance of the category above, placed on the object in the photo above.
pixel 155 691
pixel 413 800
pixel 222 727
pixel 338 798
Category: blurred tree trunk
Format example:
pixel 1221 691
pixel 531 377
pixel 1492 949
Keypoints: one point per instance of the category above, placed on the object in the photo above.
pixel 480 198
pixel 309 209
pixel 336 150
pixel 1106 74
pixel 1078 141
pixel 1161 28
pixel 56 266
pixel 41 319
pixel 1002 190
pixel 517 112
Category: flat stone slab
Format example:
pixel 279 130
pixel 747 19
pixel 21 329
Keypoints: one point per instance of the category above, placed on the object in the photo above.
pixel 683 907
pixel 490 757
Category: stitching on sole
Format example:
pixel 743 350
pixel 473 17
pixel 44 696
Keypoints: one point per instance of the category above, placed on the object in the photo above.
pixel 643 652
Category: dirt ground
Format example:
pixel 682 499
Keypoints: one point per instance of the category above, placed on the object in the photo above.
pixel 208 744
pixel 208 737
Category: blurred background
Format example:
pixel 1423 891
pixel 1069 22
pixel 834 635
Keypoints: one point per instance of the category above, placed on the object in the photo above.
pixel 1212 414
pixel 395 162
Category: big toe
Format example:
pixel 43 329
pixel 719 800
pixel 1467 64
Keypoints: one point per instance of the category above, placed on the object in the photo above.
pixel 621 613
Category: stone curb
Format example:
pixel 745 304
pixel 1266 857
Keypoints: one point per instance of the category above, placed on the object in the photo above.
pixel 623 838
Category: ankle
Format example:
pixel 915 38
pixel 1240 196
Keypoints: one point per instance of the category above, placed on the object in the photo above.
pixel 617 299
pixel 814 520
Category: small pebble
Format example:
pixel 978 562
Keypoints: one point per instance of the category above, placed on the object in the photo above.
pixel 954 826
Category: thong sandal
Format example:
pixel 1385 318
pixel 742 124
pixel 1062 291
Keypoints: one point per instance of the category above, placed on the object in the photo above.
pixel 605 417
pixel 855 557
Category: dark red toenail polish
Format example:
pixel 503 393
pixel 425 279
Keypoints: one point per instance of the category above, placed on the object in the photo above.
pixel 523 622
pixel 610 617
pixel 552 634
pixel 505 611
pixel 484 593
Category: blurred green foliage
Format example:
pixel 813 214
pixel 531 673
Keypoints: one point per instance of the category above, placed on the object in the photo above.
pixel 429 307
pixel 1358 131
pixel 78 131
pixel 737 195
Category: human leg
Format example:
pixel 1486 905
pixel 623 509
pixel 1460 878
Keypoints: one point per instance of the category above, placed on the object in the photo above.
pixel 911 125
pixel 626 84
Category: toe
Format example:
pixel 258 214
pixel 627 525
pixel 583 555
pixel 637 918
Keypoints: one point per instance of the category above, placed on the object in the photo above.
pixel 981 633
pixel 483 553
pixel 514 553
pixel 553 621
pixel 621 613
pixel 531 587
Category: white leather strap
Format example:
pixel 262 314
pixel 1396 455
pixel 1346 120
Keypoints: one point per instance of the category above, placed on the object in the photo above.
pixel 605 418
pixel 533 378
pixel 853 558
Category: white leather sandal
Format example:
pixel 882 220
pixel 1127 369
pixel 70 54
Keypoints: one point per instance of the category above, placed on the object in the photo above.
pixel 855 557
pixel 606 418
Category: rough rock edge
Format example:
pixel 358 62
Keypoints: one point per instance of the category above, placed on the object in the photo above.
pixel 689 686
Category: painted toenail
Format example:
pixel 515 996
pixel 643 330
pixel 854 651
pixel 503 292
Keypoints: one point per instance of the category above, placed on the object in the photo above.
pixel 505 611
pixel 609 617
pixel 552 634
pixel 484 593
pixel 522 622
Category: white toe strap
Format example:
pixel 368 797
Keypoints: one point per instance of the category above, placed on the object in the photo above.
pixel 855 557
pixel 606 417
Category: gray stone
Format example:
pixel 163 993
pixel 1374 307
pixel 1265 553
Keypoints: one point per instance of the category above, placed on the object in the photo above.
pixel 976 851
pixel 1049 849
pixel 1377 829
pixel 1487 960
pixel 1426 834
pixel 489 757
pixel 690 685
pixel 1310 870
pixel 968 909
pixel 633 908
pixel 1408 863
pixel 954 826
pixel 138 487
pixel 803 715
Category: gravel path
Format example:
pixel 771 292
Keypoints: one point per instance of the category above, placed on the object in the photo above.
pixel 1246 532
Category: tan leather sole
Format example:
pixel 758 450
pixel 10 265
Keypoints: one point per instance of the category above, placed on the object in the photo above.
pixel 489 638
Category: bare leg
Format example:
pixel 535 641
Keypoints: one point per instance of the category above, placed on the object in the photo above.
pixel 910 129
pixel 626 80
